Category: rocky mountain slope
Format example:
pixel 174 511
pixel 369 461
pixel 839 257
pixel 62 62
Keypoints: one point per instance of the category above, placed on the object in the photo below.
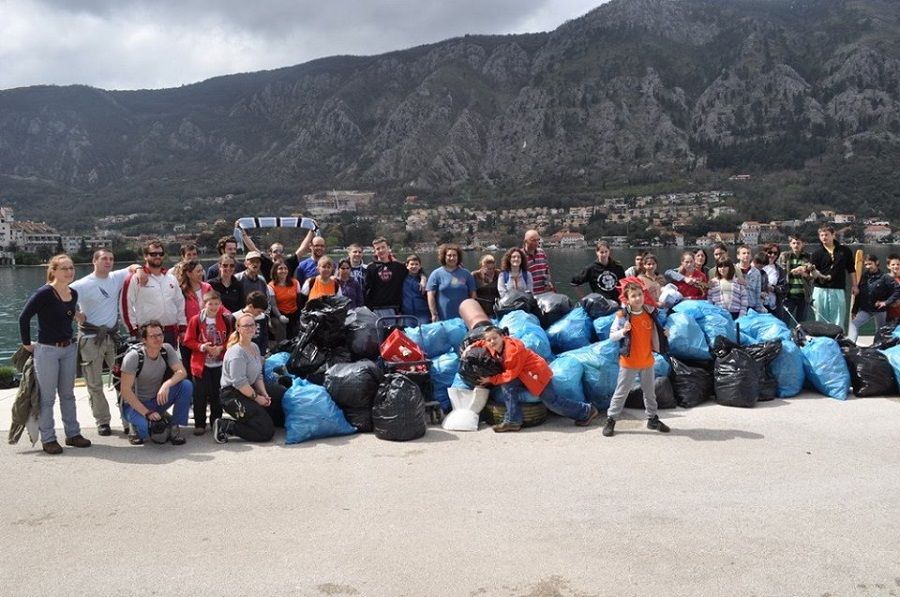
pixel 634 90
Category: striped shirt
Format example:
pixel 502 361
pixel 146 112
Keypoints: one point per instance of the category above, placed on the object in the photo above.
pixel 539 268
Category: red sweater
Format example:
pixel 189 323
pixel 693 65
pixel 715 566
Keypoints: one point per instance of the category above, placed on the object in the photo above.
pixel 195 336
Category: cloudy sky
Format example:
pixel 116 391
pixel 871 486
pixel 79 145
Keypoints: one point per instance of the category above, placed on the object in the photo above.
pixel 133 44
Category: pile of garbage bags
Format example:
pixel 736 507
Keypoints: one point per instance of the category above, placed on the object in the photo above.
pixel 338 382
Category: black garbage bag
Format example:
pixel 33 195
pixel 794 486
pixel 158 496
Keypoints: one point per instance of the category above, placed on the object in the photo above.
pixel 665 395
pixel 884 336
pixel 737 377
pixel 816 329
pixel 596 305
pixel 306 359
pixel 398 413
pixel 871 373
pixel 763 353
pixel 516 300
pixel 362 333
pixel 322 322
pixel 478 363
pixel 692 382
pixel 353 386
pixel 553 306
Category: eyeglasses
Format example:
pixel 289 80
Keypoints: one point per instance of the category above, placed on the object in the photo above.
pixel 318 246
pixel 277 251
pixel 227 265
pixel 247 325
pixel 155 253
pixel 772 252
pixel 345 268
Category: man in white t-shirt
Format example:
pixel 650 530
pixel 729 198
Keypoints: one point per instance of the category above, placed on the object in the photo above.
pixel 98 299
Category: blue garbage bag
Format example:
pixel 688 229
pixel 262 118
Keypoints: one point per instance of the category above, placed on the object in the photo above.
pixel 698 309
pixel 893 356
pixel 309 413
pixel 571 332
pixel 431 338
pixel 763 327
pixel 787 368
pixel 599 384
pixel 456 330
pixel 516 320
pixel 686 338
pixel 825 367
pixel 567 374
pixel 602 325
pixel 459 382
pixel 443 369
pixel 279 359
pixel 661 365
pixel 601 370
pixel 717 324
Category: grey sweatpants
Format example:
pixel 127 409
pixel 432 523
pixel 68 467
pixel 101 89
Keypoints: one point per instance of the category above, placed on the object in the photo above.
pixel 625 383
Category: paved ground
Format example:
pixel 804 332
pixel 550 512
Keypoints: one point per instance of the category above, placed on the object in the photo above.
pixel 794 497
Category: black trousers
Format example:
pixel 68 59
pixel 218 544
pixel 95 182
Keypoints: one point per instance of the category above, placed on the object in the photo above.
pixel 206 392
pixel 251 421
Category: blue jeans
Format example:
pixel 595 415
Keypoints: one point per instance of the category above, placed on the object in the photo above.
pixel 181 395
pixel 509 394
pixel 54 367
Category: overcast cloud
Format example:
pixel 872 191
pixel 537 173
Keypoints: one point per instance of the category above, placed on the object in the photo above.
pixel 133 44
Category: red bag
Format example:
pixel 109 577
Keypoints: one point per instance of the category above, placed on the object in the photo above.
pixel 398 348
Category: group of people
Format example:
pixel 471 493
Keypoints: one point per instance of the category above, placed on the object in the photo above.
pixel 200 334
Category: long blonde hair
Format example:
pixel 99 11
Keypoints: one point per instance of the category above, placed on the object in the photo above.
pixel 235 336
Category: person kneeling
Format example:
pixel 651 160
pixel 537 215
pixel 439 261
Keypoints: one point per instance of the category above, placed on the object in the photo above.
pixel 523 367
pixel 153 379
pixel 640 335
pixel 244 394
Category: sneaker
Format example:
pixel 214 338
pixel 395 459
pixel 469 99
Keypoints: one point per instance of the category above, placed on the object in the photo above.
pixel 53 447
pixel 78 441
pixel 610 428
pixel 655 424
pixel 220 430
pixel 590 418
pixel 175 436
pixel 104 429
pixel 135 440
pixel 506 426
pixel 199 431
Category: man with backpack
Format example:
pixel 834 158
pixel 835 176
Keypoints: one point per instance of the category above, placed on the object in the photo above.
pixel 152 380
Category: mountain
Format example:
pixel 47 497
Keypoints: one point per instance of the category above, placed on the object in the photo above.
pixel 635 91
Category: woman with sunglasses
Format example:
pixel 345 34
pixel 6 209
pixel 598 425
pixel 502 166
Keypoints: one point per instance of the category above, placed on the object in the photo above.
pixel 777 280
pixel 55 353
pixel 228 287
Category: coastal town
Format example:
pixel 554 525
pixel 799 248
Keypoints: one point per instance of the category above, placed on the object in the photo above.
pixel 651 220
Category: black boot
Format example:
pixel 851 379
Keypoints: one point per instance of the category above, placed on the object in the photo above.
pixel 610 428
pixel 657 425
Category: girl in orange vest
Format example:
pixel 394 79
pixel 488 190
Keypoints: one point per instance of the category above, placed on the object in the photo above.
pixel 325 284
pixel 523 367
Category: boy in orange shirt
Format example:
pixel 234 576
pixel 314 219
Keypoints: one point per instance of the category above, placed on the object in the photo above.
pixel 640 334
